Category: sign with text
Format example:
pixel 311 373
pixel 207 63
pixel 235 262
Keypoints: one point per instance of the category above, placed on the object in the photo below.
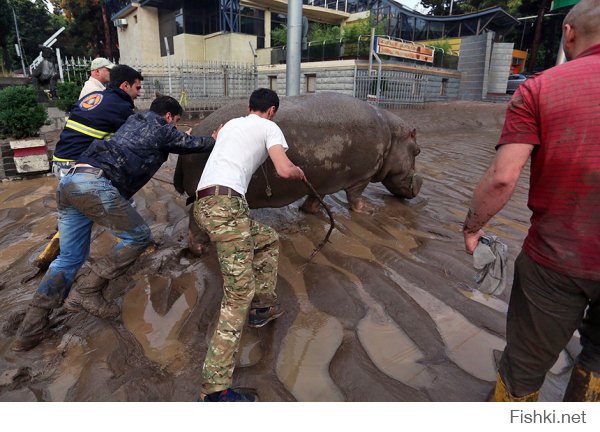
pixel 403 50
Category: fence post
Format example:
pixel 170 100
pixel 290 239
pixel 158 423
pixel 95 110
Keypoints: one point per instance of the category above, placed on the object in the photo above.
pixel 225 78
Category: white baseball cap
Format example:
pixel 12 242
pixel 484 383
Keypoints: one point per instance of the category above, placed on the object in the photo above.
pixel 101 62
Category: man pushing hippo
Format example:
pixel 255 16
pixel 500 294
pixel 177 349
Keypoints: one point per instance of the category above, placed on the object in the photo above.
pixel 341 142
pixel 248 251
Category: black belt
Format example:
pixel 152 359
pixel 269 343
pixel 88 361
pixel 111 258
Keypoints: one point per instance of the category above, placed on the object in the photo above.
pixel 87 170
pixel 213 190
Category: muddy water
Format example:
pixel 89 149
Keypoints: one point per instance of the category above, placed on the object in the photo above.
pixel 386 312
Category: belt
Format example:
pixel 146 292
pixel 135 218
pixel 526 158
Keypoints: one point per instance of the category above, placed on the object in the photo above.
pixel 86 170
pixel 213 190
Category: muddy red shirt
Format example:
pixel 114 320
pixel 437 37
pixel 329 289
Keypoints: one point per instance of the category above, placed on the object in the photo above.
pixel 559 112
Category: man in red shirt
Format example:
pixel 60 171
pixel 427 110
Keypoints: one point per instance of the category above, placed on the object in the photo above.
pixel 554 118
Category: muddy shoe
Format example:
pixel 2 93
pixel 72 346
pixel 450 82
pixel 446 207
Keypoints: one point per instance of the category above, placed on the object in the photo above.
pixel 258 317
pixel 34 328
pixel 231 395
pixel 93 303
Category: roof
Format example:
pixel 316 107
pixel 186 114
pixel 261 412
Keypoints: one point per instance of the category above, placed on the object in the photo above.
pixel 494 18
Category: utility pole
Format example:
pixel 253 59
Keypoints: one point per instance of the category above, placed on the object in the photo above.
pixel 294 45
pixel 19 42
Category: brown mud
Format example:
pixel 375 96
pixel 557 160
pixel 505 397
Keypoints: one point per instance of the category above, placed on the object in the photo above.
pixel 386 312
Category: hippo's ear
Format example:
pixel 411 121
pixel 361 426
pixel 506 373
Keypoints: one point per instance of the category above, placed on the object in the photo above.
pixel 413 133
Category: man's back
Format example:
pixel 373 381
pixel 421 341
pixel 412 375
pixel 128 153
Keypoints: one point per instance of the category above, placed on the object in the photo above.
pixel 241 148
pixel 559 112
pixel 93 117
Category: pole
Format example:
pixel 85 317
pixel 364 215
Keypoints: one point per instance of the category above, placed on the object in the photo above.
pixel 168 64
pixel 19 42
pixel 294 42
pixel 451 4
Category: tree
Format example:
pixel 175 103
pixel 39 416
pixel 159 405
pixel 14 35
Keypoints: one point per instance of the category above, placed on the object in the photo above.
pixel 86 20
pixel 537 35
pixel 35 26
pixel 6 24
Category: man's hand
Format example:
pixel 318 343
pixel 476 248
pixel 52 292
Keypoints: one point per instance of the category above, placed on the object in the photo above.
pixel 285 168
pixel 471 240
pixel 216 132
pixel 298 174
pixel 189 131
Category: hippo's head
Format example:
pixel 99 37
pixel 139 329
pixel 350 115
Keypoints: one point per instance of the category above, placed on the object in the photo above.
pixel 398 171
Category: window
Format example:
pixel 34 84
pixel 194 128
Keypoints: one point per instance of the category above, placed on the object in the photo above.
pixel 311 83
pixel 444 87
pixel 273 82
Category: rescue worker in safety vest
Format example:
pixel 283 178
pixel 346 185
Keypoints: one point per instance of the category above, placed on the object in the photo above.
pixel 95 116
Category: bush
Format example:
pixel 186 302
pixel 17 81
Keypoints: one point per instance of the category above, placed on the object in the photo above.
pixel 21 115
pixel 68 94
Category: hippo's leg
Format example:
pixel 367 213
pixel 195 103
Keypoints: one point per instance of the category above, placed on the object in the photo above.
pixel 356 200
pixel 311 205
pixel 198 240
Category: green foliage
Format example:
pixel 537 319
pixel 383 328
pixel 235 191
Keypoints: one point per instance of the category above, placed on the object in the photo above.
pixel 279 35
pixel 68 94
pixel 322 32
pixel 21 115
pixel 86 32
pixel 35 26
pixel 443 44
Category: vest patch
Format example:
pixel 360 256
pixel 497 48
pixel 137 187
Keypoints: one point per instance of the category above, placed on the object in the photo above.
pixel 91 101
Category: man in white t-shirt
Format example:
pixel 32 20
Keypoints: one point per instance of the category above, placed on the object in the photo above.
pixel 248 251
pixel 99 76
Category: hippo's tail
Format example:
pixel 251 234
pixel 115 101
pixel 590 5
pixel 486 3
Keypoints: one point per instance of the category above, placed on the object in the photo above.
pixel 178 177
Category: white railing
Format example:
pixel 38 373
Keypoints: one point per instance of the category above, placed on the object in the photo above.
pixel 204 85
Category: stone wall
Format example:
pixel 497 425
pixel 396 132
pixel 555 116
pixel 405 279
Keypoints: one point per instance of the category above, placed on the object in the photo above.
pixel 339 76
pixel 500 62
pixel 485 66
pixel 473 63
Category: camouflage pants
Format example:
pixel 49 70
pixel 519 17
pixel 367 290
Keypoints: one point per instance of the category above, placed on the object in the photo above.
pixel 248 252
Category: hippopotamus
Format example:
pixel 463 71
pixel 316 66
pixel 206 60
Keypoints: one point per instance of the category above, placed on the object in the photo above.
pixel 340 142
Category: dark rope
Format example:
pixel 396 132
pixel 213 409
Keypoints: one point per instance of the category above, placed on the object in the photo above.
pixel 331 220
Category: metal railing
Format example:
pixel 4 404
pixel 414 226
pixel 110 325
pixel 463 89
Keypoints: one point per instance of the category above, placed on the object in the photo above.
pixel 390 89
pixel 197 85
pixel 340 49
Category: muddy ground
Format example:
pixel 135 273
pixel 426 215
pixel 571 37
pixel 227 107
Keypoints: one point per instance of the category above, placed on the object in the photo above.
pixel 386 312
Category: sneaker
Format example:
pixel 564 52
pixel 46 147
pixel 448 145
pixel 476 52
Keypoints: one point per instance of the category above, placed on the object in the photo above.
pixel 231 395
pixel 260 316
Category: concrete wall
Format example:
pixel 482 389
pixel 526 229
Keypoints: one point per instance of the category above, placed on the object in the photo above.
pixel 139 41
pixel 338 76
pixel 473 63
pixel 188 47
pixel 500 63
pixel 232 47
pixel 435 83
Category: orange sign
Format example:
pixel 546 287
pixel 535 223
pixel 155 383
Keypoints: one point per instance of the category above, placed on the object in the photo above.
pixel 403 50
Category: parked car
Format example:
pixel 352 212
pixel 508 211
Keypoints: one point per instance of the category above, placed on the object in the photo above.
pixel 514 81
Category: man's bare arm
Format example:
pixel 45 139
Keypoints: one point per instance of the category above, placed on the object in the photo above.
pixel 494 190
pixel 285 167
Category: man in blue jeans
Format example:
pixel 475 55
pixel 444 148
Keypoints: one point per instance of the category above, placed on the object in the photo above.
pixel 97 190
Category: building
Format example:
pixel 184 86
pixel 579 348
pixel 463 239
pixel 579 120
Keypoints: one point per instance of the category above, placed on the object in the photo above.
pixel 225 30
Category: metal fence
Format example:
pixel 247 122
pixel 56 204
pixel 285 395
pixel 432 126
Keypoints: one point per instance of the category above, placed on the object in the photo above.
pixel 209 85
pixel 197 85
pixel 340 49
pixel 391 89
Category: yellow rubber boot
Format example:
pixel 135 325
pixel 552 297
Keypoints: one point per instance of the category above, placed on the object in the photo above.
pixel 49 253
pixel 501 394
pixel 584 386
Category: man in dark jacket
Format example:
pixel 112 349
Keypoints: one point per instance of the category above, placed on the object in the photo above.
pixel 95 116
pixel 97 190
